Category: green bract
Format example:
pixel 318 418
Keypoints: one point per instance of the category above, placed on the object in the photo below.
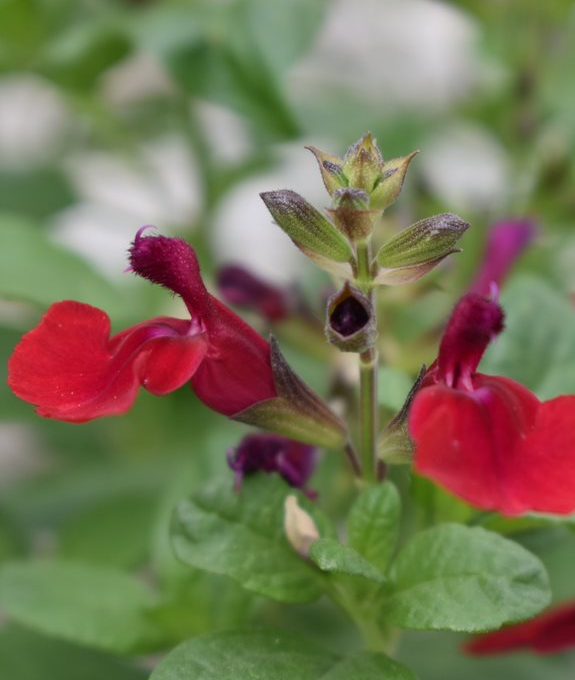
pixel 418 249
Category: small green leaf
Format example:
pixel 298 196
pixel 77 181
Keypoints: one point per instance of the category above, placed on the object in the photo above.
pixel 539 339
pixel 368 666
pixel 93 606
pixel 261 655
pixel 247 656
pixel 418 249
pixel 28 656
pixel 115 532
pixel 333 557
pixel 242 536
pixel 453 577
pixel 373 524
pixel 311 232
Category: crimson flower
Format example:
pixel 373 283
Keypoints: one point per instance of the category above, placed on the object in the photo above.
pixel 72 370
pixel 268 453
pixel 488 439
pixel 550 633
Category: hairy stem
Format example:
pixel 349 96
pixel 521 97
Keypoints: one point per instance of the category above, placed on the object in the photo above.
pixel 368 365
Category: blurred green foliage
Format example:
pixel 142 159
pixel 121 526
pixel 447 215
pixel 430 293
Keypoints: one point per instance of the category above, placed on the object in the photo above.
pixel 85 511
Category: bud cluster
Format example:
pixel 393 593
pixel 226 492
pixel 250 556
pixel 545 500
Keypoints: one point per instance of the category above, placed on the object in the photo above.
pixel 362 186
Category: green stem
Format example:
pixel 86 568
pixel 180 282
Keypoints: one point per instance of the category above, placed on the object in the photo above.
pixel 368 365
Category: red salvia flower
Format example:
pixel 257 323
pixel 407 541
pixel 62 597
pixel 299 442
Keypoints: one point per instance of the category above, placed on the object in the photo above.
pixel 72 370
pixel 488 439
pixel 550 633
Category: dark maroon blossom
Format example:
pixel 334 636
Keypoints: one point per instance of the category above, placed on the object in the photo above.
pixel 295 462
pixel 242 289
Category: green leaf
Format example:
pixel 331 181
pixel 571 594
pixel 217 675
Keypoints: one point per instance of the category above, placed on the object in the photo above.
pixel 453 577
pixel 35 270
pixel 538 342
pixel 49 186
pixel 261 655
pixel 28 656
pixel 368 666
pixel 115 532
pixel 242 536
pixel 101 608
pixel 12 542
pixel 373 524
pixel 258 655
pixel 333 557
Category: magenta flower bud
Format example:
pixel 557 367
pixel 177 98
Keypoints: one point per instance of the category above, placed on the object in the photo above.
pixel 505 244
pixel 240 288
pixel 293 461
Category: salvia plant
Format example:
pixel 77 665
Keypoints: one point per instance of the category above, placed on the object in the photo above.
pixel 487 441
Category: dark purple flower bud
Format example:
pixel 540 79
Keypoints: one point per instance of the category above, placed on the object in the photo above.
pixel 294 461
pixel 241 288
pixel 505 244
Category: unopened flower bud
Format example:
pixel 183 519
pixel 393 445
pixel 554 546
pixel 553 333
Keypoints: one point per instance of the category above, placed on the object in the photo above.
pixel 350 324
pixel 363 164
pixel 301 530
pixel 415 251
pixel 311 232
pixel 505 244
pixel 352 215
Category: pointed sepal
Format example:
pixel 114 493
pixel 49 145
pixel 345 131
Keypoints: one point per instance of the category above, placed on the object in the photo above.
pixel 297 412
pixel 331 168
pixel 395 446
pixel 390 183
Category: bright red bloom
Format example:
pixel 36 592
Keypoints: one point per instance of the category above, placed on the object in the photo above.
pixel 72 370
pixel 488 439
pixel 550 633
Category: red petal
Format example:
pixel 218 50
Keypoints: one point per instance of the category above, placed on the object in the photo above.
pixel 470 441
pixel 550 633
pixel 546 477
pixel 71 370
pixel 237 372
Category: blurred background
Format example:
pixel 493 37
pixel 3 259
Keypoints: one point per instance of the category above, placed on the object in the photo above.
pixel 177 113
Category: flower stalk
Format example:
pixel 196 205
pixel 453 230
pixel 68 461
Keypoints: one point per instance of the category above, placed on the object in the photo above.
pixel 368 369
